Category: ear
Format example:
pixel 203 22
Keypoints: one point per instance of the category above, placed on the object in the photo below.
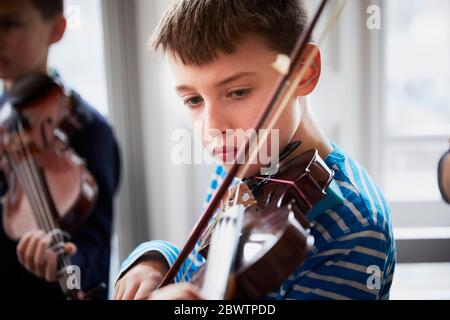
pixel 312 71
pixel 59 25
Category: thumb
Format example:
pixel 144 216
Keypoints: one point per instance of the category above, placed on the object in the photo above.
pixel 70 248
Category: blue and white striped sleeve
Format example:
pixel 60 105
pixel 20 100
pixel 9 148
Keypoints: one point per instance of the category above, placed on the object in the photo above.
pixel 170 253
pixel 354 267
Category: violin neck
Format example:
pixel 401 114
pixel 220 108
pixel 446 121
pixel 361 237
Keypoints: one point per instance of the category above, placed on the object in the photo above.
pixel 33 182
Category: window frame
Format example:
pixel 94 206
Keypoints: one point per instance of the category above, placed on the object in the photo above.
pixel 404 214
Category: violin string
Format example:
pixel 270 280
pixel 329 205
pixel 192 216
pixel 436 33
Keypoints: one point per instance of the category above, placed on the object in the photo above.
pixel 32 192
pixel 227 252
pixel 211 263
pixel 236 195
pixel 224 243
pixel 218 215
pixel 24 179
pixel 202 243
pixel 212 228
pixel 45 212
pixel 31 197
pixel 35 179
pixel 56 235
pixel 223 246
pixel 217 250
pixel 292 87
pixel 208 233
pixel 227 242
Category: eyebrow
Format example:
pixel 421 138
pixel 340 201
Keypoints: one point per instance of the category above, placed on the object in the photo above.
pixel 221 82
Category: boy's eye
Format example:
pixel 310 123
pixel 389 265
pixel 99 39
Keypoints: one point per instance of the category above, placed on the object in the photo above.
pixel 194 101
pixel 239 93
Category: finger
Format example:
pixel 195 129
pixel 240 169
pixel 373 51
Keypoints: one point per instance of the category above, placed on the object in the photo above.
pixel 144 291
pixel 41 255
pixel 70 248
pixel 130 290
pixel 50 266
pixel 119 291
pixel 176 292
pixel 192 292
pixel 30 251
pixel 22 245
pixel 116 290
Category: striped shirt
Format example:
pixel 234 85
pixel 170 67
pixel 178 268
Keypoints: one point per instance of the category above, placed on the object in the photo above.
pixel 354 250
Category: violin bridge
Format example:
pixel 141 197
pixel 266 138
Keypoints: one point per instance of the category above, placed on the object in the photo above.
pixel 243 194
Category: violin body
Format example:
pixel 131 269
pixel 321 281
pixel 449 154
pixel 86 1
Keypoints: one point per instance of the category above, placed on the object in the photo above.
pixel 272 241
pixel 70 186
pixel 48 184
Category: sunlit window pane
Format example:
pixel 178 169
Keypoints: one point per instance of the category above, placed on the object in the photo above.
pixel 79 57
pixel 411 170
pixel 418 67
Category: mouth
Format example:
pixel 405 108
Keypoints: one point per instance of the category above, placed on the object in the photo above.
pixel 225 153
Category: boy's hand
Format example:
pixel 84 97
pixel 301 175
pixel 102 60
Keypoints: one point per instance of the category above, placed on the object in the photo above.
pixel 141 280
pixel 35 255
pixel 181 291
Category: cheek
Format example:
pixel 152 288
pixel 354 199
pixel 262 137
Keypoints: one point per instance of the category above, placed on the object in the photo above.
pixel 198 125
pixel 249 112
pixel 196 119
pixel 25 50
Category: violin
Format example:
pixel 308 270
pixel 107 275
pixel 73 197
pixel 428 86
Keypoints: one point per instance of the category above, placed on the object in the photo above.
pixel 261 236
pixel 48 184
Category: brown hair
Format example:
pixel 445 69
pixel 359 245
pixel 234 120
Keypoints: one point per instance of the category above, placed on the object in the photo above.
pixel 49 8
pixel 197 30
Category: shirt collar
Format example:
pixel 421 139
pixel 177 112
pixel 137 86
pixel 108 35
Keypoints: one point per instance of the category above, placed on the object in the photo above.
pixel 333 196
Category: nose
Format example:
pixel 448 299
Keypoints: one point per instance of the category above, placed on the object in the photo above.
pixel 215 119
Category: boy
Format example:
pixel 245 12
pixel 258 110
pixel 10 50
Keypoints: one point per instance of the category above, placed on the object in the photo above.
pixel 221 55
pixel 28 28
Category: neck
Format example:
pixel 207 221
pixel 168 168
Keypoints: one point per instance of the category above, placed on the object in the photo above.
pixel 310 134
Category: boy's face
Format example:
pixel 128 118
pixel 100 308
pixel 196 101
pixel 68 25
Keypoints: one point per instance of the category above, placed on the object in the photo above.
pixel 230 93
pixel 25 38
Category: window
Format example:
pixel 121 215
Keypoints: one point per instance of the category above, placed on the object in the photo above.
pixel 79 57
pixel 415 114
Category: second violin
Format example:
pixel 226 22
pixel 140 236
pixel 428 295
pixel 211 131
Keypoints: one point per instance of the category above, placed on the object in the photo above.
pixel 48 185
